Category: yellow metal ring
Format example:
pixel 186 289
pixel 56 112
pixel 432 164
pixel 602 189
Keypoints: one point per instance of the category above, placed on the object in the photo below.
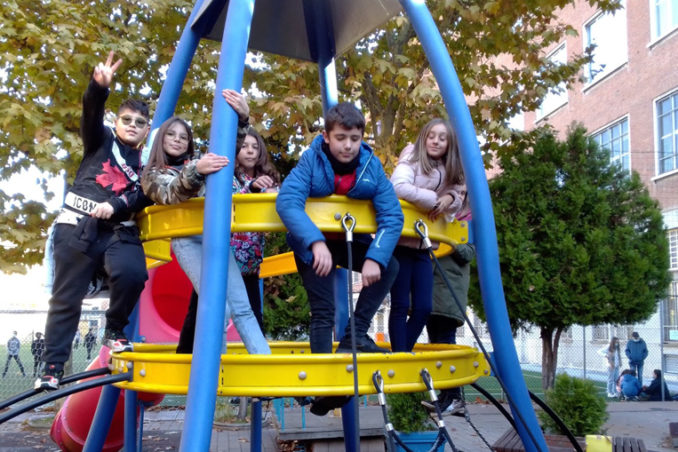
pixel 291 370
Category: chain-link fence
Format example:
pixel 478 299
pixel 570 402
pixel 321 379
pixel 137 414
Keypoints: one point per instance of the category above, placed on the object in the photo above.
pixel 579 349
pixel 21 364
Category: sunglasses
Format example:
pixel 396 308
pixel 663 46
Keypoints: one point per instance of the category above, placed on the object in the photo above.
pixel 139 122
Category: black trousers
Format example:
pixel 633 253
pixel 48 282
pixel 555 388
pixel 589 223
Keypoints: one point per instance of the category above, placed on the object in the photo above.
pixel 18 361
pixel 320 292
pixel 443 330
pixel 254 294
pixel 120 253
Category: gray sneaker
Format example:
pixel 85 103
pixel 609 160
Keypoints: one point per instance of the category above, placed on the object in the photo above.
pixel 456 408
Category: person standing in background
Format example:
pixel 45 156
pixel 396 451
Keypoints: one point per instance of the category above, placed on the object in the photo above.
pixel 37 349
pixel 13 347
pixel 90 340
pixel 613 356
pixel 636 352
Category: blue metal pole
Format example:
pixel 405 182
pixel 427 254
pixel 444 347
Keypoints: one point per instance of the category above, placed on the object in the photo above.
pixel 130 424
pixel 103 416
pixel 320 23
pixel 485 235
pixel 256 443
pixel 204 376
pixel 176 74
pixel 131 402
pixel 255 427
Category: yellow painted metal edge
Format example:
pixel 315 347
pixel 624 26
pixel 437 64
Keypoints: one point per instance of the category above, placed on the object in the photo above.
pixel 256 213
pixel 298 372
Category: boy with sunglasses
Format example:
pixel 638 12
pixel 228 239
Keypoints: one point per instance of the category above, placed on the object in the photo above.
pixel 95 227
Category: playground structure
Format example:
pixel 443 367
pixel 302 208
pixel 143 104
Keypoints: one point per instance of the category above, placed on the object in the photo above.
pixel 331 27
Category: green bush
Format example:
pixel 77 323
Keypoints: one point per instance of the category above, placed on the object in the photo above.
pixel 406 412
pixel 577 403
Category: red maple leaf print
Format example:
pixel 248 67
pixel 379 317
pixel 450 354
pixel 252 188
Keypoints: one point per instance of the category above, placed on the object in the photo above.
pixel 112 177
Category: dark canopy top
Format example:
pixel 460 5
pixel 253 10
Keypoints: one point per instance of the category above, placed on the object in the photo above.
pixel 297 28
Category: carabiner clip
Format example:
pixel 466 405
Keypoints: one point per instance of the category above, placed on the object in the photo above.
pixel 428 382
pixel 348 218
pixel 378 381
pixel 422 230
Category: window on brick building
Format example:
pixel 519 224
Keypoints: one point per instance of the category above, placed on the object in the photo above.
pixel 667 133
pixel 664 17
pixel 557 96
pixel 670 320
pixel 673 249
pixel 607 33
pixel 615 139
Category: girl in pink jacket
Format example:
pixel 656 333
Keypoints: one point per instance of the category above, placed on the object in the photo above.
pixel 430 176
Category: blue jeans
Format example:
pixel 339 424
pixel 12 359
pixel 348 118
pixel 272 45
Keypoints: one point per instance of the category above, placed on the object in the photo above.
pixel 638 367
pixel 320 292
pixel 188 251
pixel 415 278
pixel 612 377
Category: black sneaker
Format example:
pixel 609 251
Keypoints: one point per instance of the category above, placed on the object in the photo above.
pixel 50 378
pixel 323 405
pixel 116 341
pixel 363 344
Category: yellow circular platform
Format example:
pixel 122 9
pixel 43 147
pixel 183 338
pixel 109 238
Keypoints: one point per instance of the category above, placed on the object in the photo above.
pixel 291 370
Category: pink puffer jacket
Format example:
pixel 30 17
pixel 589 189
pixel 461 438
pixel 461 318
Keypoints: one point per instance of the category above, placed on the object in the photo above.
pixel 423 190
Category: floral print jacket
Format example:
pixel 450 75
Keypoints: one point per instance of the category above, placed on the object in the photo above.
pixel 248 247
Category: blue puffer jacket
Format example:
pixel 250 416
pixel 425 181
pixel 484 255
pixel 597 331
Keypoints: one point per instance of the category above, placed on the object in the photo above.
pixel 630 386
pixel 636 351
pixel 313 177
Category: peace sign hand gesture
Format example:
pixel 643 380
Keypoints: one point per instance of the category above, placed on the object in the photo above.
pixel 103 72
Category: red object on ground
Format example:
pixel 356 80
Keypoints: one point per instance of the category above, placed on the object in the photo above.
pixel 164 303
pixel 73 421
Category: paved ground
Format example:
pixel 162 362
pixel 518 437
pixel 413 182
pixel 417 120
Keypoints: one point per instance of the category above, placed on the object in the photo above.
pixel 162 428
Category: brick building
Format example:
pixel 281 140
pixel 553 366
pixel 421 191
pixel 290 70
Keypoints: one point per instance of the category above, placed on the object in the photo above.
pixel 629 103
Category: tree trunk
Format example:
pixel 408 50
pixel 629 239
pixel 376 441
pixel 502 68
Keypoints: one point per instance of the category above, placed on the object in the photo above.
pixel 549 356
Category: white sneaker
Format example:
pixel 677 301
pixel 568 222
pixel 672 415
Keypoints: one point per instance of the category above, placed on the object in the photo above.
pixel 456 408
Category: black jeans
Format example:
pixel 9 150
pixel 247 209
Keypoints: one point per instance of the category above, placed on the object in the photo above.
pixel 122 257
pixel 443 330
pixel 254 295
pixel 320 292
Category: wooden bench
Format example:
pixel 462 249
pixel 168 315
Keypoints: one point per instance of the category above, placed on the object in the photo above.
pixel 511 442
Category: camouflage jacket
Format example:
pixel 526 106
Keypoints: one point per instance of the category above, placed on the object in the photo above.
pixel 172 185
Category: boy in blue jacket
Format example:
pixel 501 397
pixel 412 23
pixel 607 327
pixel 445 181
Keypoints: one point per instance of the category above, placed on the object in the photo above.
pixel 339 162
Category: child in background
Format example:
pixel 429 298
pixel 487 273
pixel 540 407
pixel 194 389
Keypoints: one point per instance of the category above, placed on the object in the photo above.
pixel 446 315
pixel 173 175
pixel 339 162
pixel 629 386
pixel 428 175
pixel 612 354
pixel 254 173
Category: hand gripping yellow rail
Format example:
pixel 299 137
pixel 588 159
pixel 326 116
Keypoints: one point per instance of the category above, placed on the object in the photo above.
pixel 156 368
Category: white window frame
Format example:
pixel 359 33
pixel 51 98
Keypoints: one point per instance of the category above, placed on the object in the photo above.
pixel 557 96
pixel 611 52
pixel 614 159
pixel 660 135
pixel 669 19
pixel 672 235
